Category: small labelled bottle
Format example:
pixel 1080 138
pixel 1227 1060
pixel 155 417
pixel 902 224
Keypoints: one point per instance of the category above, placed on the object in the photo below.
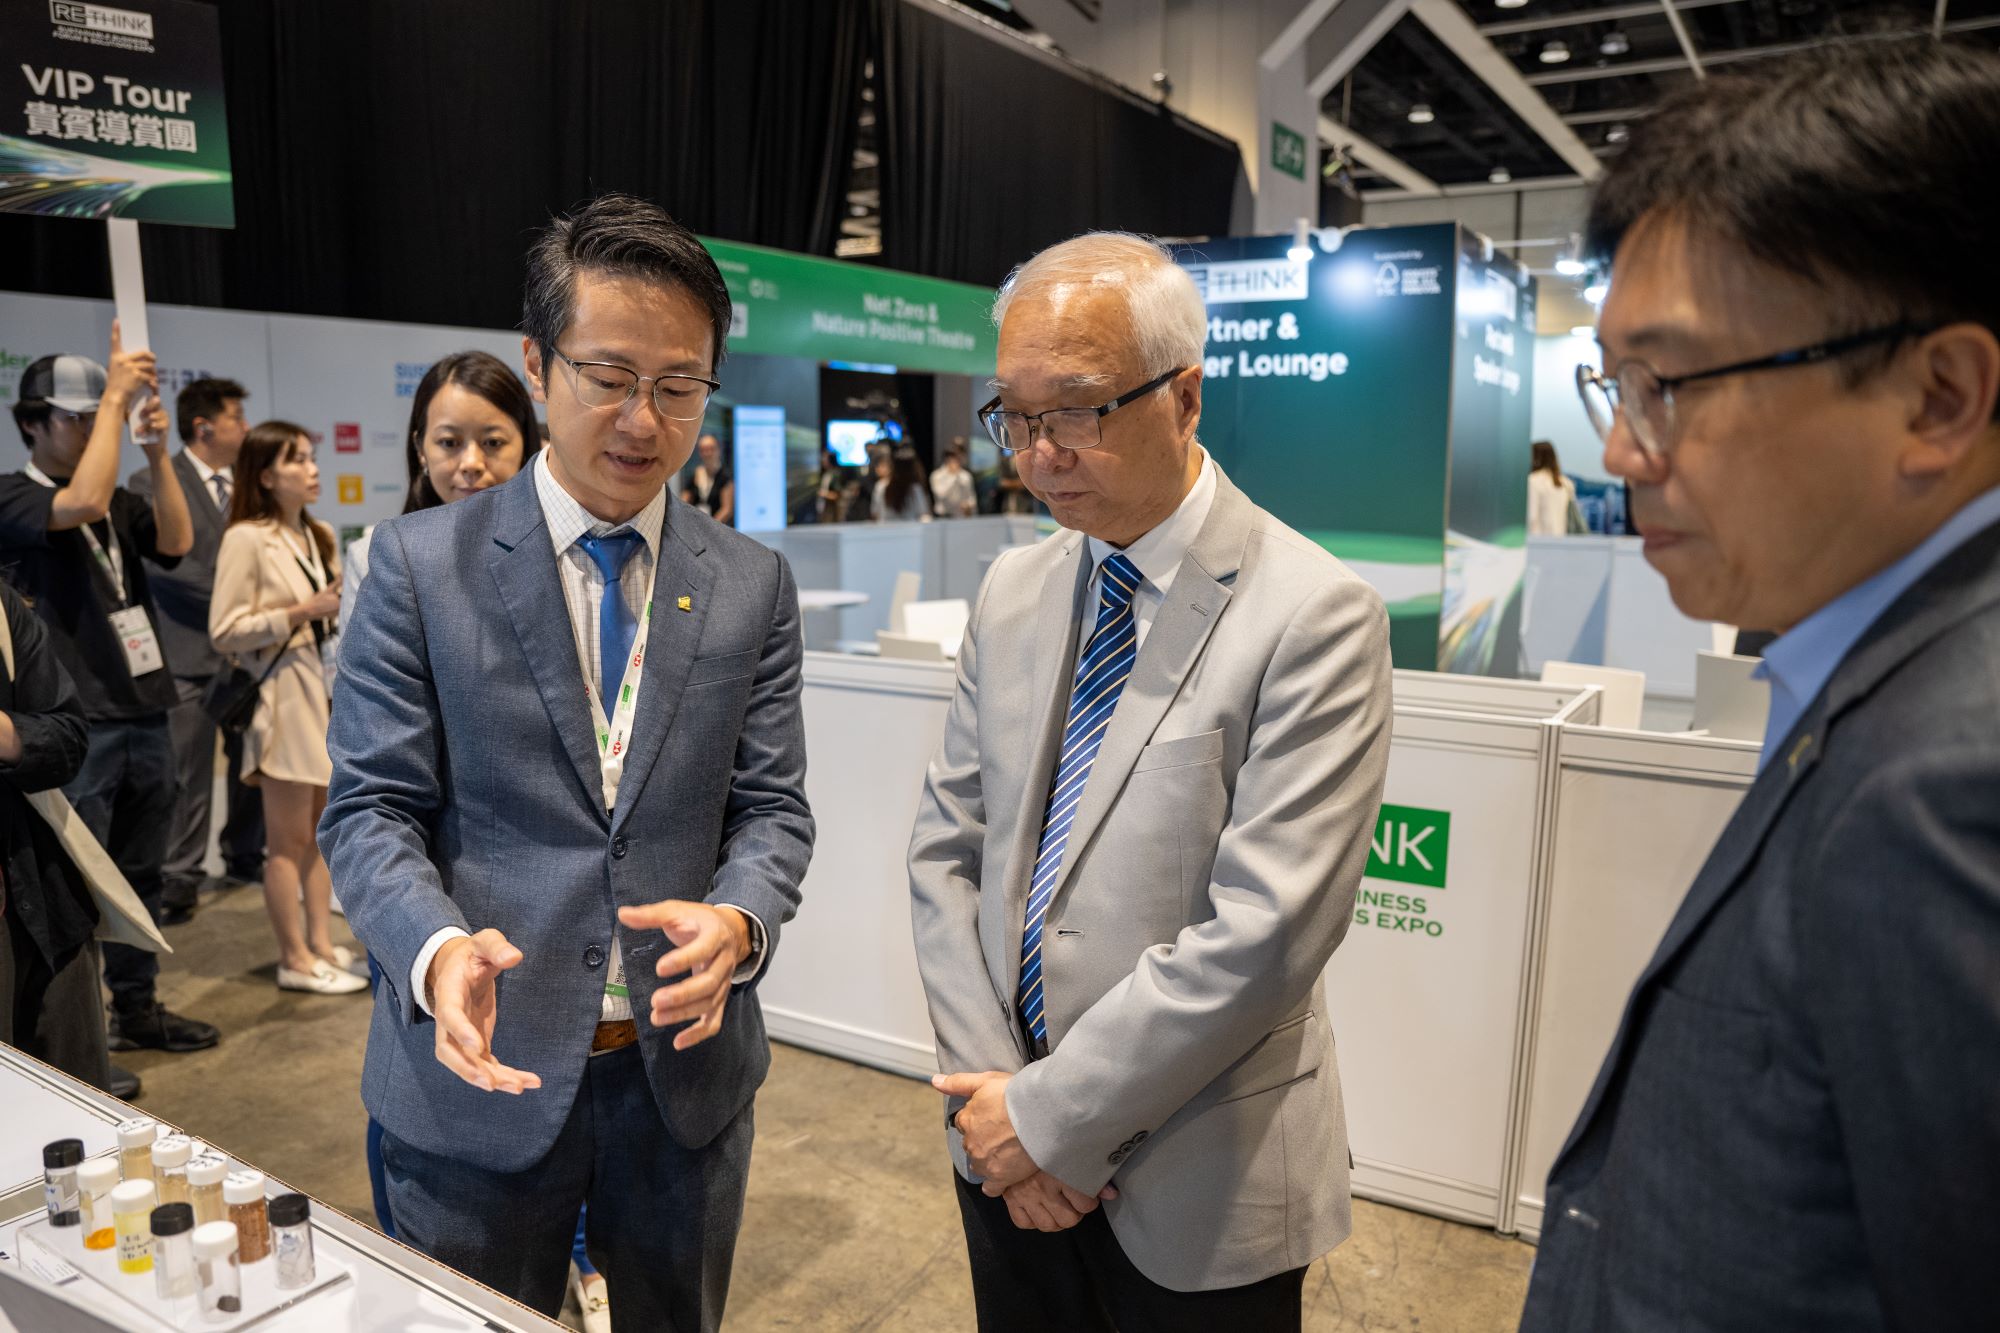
pixel 291 1239
pixel 170 1167
pixel 243 1192
pixel 204 1177
pixel 217 1278
pixel 132 1216
pixel 173 1251
pixel 95 1180
pixel 59 1162
pixel 135 1148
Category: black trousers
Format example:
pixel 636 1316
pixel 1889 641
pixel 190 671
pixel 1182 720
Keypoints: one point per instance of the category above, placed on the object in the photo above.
pixel 125 796
pixel 57 1017
pixel 1079 1281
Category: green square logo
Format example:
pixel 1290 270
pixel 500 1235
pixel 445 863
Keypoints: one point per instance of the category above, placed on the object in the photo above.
pixel 1410 846
pixel 1288 151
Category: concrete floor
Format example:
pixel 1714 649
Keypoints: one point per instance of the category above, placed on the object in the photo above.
pixel 851 1219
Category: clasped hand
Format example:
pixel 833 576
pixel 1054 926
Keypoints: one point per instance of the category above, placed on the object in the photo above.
pixel 1035 1199
pixel 710 943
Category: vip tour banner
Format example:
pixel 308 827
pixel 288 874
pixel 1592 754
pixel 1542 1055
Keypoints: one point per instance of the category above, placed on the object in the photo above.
pixel 114 112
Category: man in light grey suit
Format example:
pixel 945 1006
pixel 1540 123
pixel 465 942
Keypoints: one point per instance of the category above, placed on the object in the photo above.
pixel 209 413
pixel 569 768
pixel 1140 840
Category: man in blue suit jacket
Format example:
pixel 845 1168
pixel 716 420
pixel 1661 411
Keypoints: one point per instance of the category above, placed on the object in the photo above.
pixel 568 810
pixel 1798 1124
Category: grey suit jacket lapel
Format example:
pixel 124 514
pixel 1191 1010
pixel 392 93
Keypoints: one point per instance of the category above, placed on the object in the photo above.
pixel 524 571
pixel 671 644
pixel 1176 638
pixel 200 497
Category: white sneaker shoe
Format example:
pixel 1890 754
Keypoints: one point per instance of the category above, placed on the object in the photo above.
pixel 324 979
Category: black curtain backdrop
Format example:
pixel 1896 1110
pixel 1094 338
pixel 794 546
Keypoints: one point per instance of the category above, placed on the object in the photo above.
pixel 990 154
pixel 393 158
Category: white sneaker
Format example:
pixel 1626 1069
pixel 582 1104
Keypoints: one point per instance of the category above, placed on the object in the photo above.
pixel 594 1300
pixel 324 979
pixel 345 960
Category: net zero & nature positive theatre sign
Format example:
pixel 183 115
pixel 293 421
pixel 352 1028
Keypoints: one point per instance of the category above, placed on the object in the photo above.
pixel 114 111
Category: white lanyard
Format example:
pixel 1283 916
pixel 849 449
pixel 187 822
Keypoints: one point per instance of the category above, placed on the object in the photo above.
pixel 112 561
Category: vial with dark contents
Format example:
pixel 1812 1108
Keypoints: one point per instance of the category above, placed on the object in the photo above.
pixel 243 1192
pixel 59 1162
pixel 217 1276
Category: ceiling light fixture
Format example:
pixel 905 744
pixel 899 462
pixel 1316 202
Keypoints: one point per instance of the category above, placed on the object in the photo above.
pixel 1421 114
pixel 1301 251
pixel 1555 53
pixel 1596 292
pixel 1570 262
pixel 1618 133
pixel 1500 176
pixel 1583 331
pixel 1511 4
pixel 1615 43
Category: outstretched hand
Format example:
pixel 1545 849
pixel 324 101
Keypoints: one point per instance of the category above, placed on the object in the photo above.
pixel 462 987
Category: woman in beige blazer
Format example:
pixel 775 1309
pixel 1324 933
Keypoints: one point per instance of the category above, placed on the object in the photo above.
pixel 277 590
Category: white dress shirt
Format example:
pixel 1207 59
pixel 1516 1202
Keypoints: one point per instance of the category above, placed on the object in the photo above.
pixel 208 475
pixel 583 590
pixel 1157 555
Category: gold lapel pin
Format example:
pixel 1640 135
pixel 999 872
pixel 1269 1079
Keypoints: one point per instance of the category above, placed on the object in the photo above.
pixel 685 603
pixel 1799 752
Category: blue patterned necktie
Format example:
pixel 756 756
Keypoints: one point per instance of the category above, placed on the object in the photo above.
pixel 1100 678
pixel 616 625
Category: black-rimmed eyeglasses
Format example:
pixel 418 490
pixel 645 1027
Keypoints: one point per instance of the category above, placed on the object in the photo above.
pixel 1064 427
pixel 1647 397
pixel 602 384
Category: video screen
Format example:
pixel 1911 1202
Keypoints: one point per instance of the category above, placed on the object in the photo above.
pixel 849 438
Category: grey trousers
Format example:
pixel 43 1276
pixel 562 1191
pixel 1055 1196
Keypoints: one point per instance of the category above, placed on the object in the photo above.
pixel 57 1019
pixel 194 760
pixel 661 1223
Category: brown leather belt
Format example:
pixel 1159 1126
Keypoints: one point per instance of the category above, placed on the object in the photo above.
pixel 614 1036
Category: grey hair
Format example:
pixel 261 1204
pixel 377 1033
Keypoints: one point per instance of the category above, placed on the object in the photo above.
pixel 1169 320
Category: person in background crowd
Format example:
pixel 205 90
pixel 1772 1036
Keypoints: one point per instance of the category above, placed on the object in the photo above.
pixel 1146 1122
pixel 472 427
pixel 1551 495
pixel 487 815
pixel 50 1006
pixel 710 488
pixel 209 413
pixel 831 488
pixel 1012 496
pixel 900 494
pixel 1797 1125
pixel 78 546
pixel 952 489
pixel 277 591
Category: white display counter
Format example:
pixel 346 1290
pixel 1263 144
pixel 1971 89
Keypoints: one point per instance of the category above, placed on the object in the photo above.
pixel 392 1288
pixel 951 554
pixel 1595 600
pixel 1636 815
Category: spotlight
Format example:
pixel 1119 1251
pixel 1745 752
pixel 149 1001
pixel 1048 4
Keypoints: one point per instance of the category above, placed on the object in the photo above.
pixel 1511 4
pixel 1420 114
pixel 1583 331
pixel 1555 53
pixel 1570 263
pixel 1500 176
pixel 1301 251
pixel 1618 133
pixel 1596 292
pixel 1615 43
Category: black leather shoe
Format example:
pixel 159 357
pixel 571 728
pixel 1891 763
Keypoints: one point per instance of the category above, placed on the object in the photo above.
pixel 159 1029
pixel 177 902
pixel 124 1084
pixel 245 872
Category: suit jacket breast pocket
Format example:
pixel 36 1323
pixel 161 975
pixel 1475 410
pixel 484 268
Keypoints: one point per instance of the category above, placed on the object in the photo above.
pixel 722 667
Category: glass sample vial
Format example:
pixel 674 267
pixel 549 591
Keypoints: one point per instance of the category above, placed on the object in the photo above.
pixel 95 1180
pixel 170 1167
pixel 173 1251
pixel 135 1148
pixel 291 1238
pixel 59 1163
pixel 243 1192
pixel 216 1276
pixel 132 1217
pixel 204 1177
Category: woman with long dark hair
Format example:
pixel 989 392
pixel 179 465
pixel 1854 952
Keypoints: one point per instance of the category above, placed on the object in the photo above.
pixel 1551 495
pixel 277 589
pixel 901 494
pixel 472 426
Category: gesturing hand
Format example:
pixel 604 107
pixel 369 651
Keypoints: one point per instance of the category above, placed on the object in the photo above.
pixel 461 984
pixel 990 1142
pixel 710 944
pixel 1043 1203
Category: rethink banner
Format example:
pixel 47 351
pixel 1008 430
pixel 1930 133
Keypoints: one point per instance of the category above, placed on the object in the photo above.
pixel 828 310
pixel 114 111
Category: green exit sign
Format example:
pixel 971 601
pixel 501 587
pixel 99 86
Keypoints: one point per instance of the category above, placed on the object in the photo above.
pixel 1410 846
pixel 1288 151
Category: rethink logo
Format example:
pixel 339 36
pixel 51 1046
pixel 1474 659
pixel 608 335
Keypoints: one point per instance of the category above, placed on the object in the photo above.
pixel 102 18
pixel 1410 846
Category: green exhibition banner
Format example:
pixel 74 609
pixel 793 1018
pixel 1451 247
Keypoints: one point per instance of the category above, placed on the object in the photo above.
pixel 1333 393
pixel 829 310
pixel 114 112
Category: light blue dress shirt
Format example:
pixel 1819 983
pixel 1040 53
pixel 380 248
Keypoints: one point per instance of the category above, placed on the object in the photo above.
pixel 1799 663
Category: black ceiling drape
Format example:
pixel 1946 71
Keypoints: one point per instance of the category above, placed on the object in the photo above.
pixel 393 157
pixel 989 154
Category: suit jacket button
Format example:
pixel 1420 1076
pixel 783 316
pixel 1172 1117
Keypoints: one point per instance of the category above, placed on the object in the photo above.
pixel 1138 1138
pixel 593 958
pixel 618 846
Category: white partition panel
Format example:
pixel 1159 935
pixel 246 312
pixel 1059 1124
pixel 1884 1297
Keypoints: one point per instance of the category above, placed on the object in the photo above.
pixel 1565 600
pixel 1635 817
pixel 844 980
